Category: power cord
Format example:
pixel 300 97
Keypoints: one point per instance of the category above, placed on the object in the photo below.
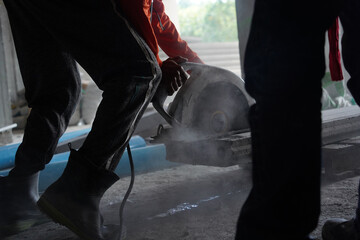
pixel 127 194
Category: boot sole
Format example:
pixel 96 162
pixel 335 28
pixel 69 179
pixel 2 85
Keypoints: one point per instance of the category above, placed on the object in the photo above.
pixel 47 208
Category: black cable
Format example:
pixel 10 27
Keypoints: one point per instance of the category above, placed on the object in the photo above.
pixel 127 194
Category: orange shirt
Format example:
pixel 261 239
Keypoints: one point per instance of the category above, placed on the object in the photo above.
pixel 157 29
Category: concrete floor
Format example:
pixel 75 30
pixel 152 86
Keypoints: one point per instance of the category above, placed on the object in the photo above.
pixel 186 202
pixel 196 203
pixel 191 203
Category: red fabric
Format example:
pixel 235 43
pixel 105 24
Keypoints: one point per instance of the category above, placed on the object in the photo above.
pixel 334 54
pixel 138 12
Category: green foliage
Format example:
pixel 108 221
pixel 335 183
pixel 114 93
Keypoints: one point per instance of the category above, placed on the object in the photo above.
pixel 212 22
pixel 191 21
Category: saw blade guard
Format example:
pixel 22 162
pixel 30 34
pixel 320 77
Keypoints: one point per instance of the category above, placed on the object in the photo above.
pixel 212 101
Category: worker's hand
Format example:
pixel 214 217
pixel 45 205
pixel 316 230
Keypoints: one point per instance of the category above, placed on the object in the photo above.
pixel 173 75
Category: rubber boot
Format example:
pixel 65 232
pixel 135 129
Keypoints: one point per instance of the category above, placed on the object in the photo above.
pixel 340 229
pixel 18 210
pixel 73 200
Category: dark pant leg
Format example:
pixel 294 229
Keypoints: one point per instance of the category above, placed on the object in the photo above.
pixel 284 64
pixel 52 86
pixel 357 213
pixel 115 57
pixel 350 21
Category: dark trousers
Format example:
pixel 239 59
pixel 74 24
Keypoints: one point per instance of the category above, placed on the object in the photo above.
pixel 350 20
pixel 284 64
pixel 49 36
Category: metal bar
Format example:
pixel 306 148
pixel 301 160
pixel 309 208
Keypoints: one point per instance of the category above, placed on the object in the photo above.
pixel 6 128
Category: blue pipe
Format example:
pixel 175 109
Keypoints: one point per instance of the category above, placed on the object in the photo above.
pixel 146 159
pixel 7 152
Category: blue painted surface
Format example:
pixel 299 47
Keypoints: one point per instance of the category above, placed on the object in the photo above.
pixel 7 152
pixel 146 158
pixel 73 134
pixel 7 155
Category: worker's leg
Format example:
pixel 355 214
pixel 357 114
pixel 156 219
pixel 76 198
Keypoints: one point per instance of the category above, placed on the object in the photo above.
pixel 284 64
pixel 124 68
pixel 350 20
pixel 52 89
pixel 338 228
pixel 52 85
pixel 119 64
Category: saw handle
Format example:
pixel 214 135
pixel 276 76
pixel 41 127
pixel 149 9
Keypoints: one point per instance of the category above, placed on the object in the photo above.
pixel 161 95
pixel 158 103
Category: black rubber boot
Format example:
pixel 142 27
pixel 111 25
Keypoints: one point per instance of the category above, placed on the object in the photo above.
pixel 340 229
pixel 18 210
pixel 73 200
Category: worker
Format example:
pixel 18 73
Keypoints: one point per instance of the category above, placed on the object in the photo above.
pixel 339 228
pixel 284 60
pixel 49 36
pixel 154 25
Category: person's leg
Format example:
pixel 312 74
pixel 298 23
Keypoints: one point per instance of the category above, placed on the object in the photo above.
pixel 284 64
pixel 125 69
pixel 338 228
pixel 52 86
pixel 116 58
pixel 350 21
pixel 52 90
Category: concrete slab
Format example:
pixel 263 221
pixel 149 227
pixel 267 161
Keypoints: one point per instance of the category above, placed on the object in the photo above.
pixel 186 202
pixel 192 202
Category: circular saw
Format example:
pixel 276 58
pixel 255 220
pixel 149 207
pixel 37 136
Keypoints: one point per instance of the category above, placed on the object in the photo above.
pixel 211 105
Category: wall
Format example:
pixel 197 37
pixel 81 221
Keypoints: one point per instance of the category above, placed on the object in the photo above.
pixel 5 72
